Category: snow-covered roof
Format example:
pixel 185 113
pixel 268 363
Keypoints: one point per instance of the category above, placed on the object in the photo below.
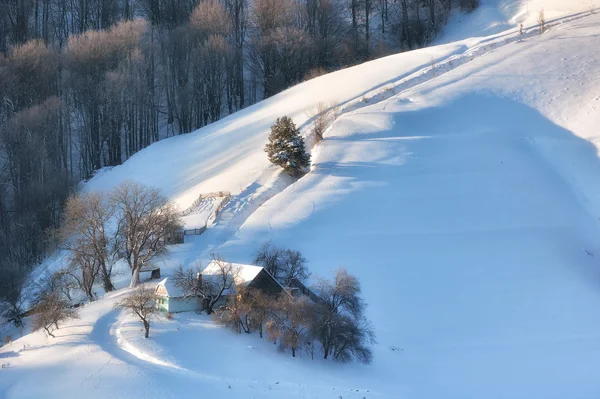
pixel 244 273
pixel 167 288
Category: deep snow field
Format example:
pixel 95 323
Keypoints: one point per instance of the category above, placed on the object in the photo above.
pixel 466 200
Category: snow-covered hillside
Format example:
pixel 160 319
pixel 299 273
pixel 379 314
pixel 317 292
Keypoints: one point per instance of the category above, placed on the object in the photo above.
pixel 497 16
pixel 464 198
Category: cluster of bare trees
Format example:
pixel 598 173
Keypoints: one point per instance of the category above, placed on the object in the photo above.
pixel 285 265
pixel 133 222
pixel 331 320
pixel 330 316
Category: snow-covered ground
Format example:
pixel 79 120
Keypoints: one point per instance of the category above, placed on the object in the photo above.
pixel 500 16
pixel 465 200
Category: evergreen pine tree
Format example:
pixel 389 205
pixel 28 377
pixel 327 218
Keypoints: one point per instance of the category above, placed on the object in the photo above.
pixel 286 147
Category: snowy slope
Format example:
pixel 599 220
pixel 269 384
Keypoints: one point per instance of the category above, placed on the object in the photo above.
pixel 228 155
pixel 469 208
pixel 497 16
pixel 467 204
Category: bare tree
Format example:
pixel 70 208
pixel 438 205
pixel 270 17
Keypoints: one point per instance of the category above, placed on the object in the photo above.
pixel 188 280
pixel 210 18
pixel 212 55
pixel 86 232
pixel 285 265
pixel 50 310
pixel 294 267
pixel 339 323
pixel 260 307
pixel 270 257
pixel 145 219
pixel 218 277
pixel 249 309
pixel 541 19
pixel 274 330
pixel 320 116
pixel 59 282
pixel 235 313
pixel 84 269
pixel 141 301
pixel 295 327
pixel 352 337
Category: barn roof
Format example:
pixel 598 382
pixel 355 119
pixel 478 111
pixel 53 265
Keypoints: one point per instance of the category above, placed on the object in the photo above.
pixel 245 273
pixel 169 288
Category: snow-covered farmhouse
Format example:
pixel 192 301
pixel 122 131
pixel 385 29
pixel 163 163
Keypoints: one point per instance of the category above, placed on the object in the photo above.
pixel 171 299
pixel 247 276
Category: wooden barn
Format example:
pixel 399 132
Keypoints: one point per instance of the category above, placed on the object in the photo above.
pixel 248 276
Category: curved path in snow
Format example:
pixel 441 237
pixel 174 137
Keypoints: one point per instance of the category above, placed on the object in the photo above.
pixel 107 335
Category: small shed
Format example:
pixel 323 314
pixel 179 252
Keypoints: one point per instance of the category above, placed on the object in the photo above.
pixel 171 299
pixel 153 270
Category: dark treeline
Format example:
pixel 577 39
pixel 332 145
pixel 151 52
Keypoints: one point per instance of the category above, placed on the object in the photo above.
pixel 85 84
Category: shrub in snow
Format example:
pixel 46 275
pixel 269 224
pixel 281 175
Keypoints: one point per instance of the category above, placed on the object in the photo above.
pixel 286 147
pixel 541 20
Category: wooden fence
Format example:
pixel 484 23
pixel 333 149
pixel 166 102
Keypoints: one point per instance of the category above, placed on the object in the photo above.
pixel 223 204
pixel 177 237
pixel 202 197
pixel 194 232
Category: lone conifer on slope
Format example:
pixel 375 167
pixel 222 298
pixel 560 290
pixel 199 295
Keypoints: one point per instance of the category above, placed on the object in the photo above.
pixel 286 147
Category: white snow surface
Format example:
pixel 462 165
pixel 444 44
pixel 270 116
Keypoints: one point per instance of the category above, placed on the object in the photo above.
pixel 242 273
pixel 466 200
pixel 501 16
